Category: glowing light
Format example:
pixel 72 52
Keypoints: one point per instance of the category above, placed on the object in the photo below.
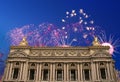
pixel 67 12
pixel 63 20
pixel 73 11
pixel 111 50
pixel 81 10
pixel 64 46
pixel 111 42
pixel 92 22
pixel 63 28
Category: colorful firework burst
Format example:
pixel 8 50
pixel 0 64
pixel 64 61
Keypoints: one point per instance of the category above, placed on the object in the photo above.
pixel 77 29
pixel 111 42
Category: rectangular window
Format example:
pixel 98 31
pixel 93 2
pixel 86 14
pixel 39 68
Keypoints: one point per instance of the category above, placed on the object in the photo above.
pixel 103 73
pixel 15 73
pixel 86 74
pixel 59 75
pixel 73 75
pixel 45 74
pixel 32 73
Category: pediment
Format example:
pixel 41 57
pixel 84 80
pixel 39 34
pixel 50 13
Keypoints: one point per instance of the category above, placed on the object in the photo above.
pixel 18 54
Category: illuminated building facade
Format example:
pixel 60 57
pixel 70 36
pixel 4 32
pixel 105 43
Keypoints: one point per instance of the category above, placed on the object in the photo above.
pixel 59 64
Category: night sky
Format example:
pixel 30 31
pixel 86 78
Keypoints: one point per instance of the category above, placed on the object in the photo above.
pixel 17 13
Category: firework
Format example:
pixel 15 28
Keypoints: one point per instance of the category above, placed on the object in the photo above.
pixel 79 28
pixel 111 42
pixel 76 29
pixel 36 35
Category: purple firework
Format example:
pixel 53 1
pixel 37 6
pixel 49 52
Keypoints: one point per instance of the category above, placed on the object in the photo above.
pixel 76 29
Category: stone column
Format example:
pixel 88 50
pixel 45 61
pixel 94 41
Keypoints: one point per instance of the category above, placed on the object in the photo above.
pixel 111 70
pixel 26 72
pixel 97 71
pixel 54 72
pixel 37 72
pixel 78 68
pixel 6 74
pixel 81 72
pixel 10 73
pixel 108 71
pixel 24 68
pixel 40 66
pixel 51 71
pixel 93 71
pixel 64 72
pixel 21 69
pixel 67 72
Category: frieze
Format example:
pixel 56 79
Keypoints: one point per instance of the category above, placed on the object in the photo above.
pixel 59 53
pixel 72 53
pixel 66 52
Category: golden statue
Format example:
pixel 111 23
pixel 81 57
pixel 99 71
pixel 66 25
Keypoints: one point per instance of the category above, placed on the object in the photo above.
pixel 23 42
pixel 96 42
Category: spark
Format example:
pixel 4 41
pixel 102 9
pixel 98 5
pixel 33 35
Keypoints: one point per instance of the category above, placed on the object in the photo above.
pixel 67 12
pixel 81 10
pixel 63 20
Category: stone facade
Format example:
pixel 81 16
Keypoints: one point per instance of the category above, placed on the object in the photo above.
pixel 59 64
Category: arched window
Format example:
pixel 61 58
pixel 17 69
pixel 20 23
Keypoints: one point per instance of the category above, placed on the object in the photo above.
pixel 86 71
pixel 103 70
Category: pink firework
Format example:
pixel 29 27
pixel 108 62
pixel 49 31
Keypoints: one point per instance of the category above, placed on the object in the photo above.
pixel 36 35
pixel 113 44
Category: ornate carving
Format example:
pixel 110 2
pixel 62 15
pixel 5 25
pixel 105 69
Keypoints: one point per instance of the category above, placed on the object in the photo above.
pixel 85 53
pixel 46 53
pixel 34 53
pixel 59 53
pixel 72 53
pixel 17 55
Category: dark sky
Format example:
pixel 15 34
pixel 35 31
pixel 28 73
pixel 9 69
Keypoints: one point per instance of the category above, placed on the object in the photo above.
pixel 17 13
